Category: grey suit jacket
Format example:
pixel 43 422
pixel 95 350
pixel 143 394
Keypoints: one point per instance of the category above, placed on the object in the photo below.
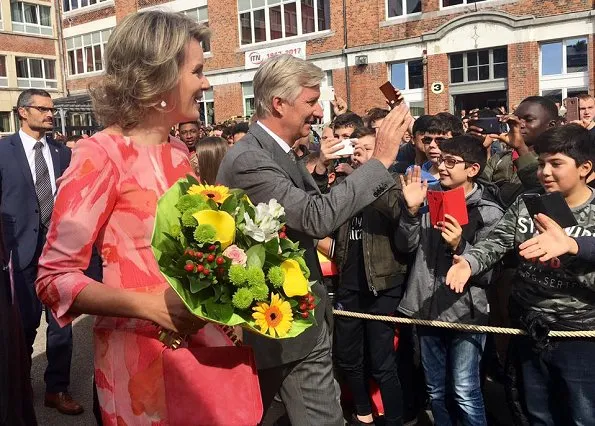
pixel 258 165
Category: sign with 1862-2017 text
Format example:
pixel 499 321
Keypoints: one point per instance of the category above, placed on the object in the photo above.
pixel 255 57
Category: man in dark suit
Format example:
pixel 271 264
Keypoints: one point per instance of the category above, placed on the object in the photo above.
pixel 30 164
pixel 262 163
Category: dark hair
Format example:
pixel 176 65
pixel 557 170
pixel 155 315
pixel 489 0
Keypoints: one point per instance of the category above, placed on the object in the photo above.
pixel 226 132
pixel 469 148
pixel 24 98
pixel 209 153
pixel 421 124
pixel 360 132
pixel 432 125
pixel 241 127
pixel 196 123
pixel 584 97
pixel 486 113
pixel 548 105
pixel 571 140
pixel 349 119
pixel 453 123
pixel 376 114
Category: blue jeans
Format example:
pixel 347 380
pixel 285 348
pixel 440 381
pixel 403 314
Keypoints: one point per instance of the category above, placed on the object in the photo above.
pixel 559 382
pixel 451 365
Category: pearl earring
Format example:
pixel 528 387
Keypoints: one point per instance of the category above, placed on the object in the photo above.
pixel 163 104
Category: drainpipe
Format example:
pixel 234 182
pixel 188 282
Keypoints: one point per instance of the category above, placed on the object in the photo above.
pixel 347 77
pixel 63 62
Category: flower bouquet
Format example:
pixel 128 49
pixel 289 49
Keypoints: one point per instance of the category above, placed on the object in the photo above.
pixel 230 261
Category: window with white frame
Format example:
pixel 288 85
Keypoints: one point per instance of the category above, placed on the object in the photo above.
pixel 407 75
pixel 79 4
pixel 557 95
pixel 31 18
pixel 3 74
pixel 200 15
pixel 1 22
pixel 207 108
pixel 248 95
pixel 85 52
pixel 479 65
pixel 564 57
pixel 266 20
pixel 448 3
pixel 36 72
pixel 396 8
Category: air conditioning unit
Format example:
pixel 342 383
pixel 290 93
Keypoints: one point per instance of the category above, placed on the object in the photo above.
pixel 361 60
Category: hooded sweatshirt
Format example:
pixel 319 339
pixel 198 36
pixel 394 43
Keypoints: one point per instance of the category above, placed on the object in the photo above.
pixel 427 296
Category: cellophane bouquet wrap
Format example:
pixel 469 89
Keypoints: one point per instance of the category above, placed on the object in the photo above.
pixel 230 261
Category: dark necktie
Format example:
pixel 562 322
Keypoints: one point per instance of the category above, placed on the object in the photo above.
pixel 43 186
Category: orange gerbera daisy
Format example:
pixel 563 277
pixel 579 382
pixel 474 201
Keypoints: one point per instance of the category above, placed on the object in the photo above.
pixel 274 318
pixel 217 193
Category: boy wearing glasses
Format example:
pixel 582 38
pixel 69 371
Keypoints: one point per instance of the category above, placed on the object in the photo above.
pixel 445 353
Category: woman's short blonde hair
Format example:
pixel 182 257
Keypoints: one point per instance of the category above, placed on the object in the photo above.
pixel 282 76
pixel 142 63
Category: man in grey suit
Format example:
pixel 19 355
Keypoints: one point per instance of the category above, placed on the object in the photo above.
pixel 286 92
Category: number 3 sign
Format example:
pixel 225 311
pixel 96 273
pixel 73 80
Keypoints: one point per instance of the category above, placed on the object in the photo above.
pixel 437 87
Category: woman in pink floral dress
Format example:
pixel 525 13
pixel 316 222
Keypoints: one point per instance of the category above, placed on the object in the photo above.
pixel 108 198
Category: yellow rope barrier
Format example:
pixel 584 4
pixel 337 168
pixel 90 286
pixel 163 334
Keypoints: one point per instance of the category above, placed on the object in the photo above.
pixel 461 327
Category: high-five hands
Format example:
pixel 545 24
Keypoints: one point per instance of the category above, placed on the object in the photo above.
pixel 414 189
pixel 458 274
pixel 391 133
pixel 551 242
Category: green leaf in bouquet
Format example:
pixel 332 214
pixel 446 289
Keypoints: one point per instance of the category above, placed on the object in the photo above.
pixel 287 245
pixel 212 204
pixel 272 246
pixel 256 255
pixel 217 291
pixel 219 312
pixel 225 295
pixel 196 284
pixel 240 216
pixel 230 205
pixel 293 303
pixel 191 180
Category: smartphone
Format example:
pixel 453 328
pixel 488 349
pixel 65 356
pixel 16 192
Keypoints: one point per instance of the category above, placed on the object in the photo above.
pixel 327 94
pixel 348 148
pixel 553 205
pixel 489 125
pixel 572 110
pixel 388 90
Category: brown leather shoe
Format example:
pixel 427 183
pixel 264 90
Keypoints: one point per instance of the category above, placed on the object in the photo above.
pixel 63 402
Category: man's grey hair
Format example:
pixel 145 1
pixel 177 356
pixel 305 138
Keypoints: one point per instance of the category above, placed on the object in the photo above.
pixel 282 76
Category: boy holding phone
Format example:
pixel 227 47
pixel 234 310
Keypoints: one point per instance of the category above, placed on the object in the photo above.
pixel 447 353
pixel 557 293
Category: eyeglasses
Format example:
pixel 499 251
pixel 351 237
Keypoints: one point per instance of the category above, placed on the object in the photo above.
pixel 426 140
pixel 42 108
pixel 449 162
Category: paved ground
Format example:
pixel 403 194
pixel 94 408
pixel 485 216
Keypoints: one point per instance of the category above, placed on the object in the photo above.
pixel 82 376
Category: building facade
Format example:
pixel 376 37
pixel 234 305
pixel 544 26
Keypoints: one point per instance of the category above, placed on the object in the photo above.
pixel 444 55
pixel 29 54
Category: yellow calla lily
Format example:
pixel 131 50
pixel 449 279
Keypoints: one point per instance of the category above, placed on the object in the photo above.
pixel 295 283
pixel 223 222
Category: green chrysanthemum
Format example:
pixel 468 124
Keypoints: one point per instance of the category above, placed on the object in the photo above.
pixel 190 202
pixel 260 292
pixel 237 275
pixel 242 298
pixel 175 230
pixel 255 276
pixel 303 266
pixel 205 234
pixel 188 219
pixel 276 276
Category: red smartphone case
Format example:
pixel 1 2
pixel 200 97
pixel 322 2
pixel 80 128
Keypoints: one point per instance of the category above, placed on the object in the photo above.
pixel 450 202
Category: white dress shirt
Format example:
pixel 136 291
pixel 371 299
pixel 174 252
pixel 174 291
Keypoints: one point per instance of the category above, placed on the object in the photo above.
pixel 279 141
pixel 29 145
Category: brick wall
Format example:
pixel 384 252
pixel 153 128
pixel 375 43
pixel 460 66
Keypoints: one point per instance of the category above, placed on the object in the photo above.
pixel 591 65
pixel 437 70
pixel 27 44
pixel 225 35
pixel 523 71
pixel 89 16
pixel 365 82
pixel 228 101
